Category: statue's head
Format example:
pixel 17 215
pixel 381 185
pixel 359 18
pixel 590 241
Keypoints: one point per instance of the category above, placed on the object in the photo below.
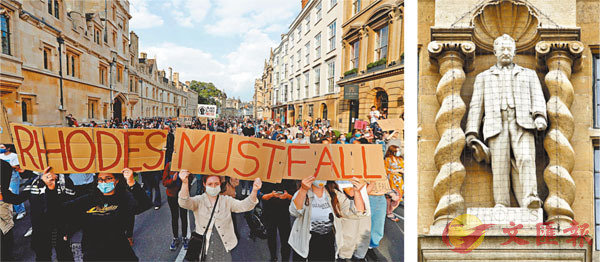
pixel 504 49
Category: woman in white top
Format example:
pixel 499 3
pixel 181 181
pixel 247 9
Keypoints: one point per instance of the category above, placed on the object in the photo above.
pixel 318 206
pixel 220 237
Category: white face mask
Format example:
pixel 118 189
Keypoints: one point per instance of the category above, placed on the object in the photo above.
pixel 213 191
pixel 319 183
pixel 398 153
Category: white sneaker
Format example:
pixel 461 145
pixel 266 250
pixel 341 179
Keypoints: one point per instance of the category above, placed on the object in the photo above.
pixel 29 232
pixel 20 216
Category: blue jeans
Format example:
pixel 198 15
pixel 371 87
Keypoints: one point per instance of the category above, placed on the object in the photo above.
pixel 15 182
pixel 378 212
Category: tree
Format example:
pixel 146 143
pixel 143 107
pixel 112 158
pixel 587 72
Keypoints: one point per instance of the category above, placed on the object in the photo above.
pixel 208 93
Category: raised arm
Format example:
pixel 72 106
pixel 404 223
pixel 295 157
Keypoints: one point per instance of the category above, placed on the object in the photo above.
pixel 142 201
pixel 184 194
pixel 300 196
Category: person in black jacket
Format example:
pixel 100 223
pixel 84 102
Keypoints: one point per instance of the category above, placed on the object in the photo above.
pixel 105 215
pixel 47 194
pixel 276 202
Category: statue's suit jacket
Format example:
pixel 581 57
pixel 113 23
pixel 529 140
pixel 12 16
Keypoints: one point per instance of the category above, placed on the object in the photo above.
pixel 487 96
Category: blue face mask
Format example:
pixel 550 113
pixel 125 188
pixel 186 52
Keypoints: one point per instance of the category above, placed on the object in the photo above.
pixel 106 187
pixel 2 150
pixel 357 135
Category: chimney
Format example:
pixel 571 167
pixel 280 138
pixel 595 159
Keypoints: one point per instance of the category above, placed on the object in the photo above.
pixel 304 2
pixel 176 77
pixel 170 74
pixel 143 55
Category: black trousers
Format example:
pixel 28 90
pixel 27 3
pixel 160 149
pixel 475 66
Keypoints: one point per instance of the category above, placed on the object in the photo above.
pixel 278 220
pixel 129 226
pixel 41 242
pixel 176 214
pixel 320 248
pixel 152 183
pixel 6 246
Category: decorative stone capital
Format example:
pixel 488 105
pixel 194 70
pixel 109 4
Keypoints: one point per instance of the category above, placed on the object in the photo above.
pixel 465 50
pixel 571 50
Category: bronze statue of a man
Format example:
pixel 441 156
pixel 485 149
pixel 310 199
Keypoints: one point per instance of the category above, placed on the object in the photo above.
pixel 510 100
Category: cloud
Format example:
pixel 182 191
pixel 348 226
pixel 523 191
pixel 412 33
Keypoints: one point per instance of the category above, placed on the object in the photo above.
pixel 188 13
pixel 234 73
pixel 142 18
pixel 241 16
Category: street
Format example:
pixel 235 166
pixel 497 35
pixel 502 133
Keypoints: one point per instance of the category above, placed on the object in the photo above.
pixel 152 237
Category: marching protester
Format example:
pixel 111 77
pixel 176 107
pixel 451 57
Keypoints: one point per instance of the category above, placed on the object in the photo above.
pixel 105 215
pixel 47 195
pixel 6 217
pixel 173 184
pixel 318 206
pixel 394 166
pixel 7 153
pixel 214 237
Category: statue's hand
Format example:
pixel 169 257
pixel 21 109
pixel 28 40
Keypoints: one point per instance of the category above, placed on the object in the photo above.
pixel 540 123
pixel 470 139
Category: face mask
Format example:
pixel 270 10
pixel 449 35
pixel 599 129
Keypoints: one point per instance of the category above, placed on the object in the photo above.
pixel 343 138
pixel 2 150
pixel 357 135
pixel 213 191
pixel 398 153
pixel 106 187
pixel 319 183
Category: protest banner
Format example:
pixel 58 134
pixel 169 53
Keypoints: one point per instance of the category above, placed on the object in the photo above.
pixel 29 142
pixel 89 150
pixel 204 152
pixel 5 137
pixel 391 124
pixel 209 111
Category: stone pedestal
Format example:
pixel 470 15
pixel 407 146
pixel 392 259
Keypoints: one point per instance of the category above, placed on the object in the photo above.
pixel 503 216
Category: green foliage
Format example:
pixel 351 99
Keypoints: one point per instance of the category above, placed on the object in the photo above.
pixel 379 62
pixel 208 93
pixel 351 71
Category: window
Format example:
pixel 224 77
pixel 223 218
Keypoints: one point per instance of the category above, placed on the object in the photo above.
pixel 300 112
pixel 297 87
pixel 119 73
pixel 96 35
pixel 92 107
pixel 114 38
pixel 102 75
pixel 332 3
pixel 299 31
pixel 130 84
pixel 382 43
pixel 307 22
pixel 26 110
pixel 291 40
pixel 285 70
pixel 355 53
pixel 299 58
pixel 114 13
pixel 124 46
pixel 355 6
pixel 285 93
pixel 318 46
pixel 292 64
pixel 310 110
pixel 49 6
pixel 56 9
pixel 318 12
pixel 330 76
pixel 72 64
pixel 332 32
pixel 597 191
pixel 306 81
pixel 596 79
pixel 307 53
pixel 47 56
pixel 5 34
pixel 317 75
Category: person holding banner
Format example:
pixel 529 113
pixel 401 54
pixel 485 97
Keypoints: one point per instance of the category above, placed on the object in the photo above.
pixel 276 201
pixel 218 233
pixel 318 206
pixel 394 166
pixel 105 215
pixel 7 153
pixel 47 194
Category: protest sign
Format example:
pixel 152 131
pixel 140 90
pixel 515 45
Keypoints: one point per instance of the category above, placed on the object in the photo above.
pixel 89 150
pixel 204 152
pixel 5 137
pixel 391 124
pixel 209 111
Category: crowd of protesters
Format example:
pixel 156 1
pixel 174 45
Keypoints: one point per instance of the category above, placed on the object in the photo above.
pixel 313 220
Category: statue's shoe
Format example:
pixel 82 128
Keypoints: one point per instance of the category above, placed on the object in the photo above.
pixel 532 202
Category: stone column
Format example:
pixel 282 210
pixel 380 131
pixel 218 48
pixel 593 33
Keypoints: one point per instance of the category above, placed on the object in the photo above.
pixel 559 57
pixel 451 58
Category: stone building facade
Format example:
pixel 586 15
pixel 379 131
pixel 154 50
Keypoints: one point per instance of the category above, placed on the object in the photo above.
pixel 372 61
pixel 560 41
pixel 64 57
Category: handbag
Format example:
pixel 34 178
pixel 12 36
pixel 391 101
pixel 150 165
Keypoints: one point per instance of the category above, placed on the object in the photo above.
pixel 196 247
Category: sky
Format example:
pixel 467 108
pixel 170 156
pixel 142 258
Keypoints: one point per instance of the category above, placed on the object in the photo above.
pixel 221 41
